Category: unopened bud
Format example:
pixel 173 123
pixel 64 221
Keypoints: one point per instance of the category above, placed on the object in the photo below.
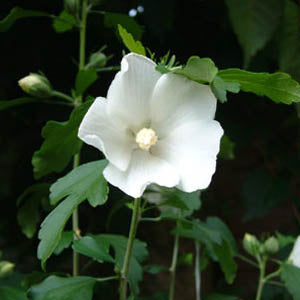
pixel 36 85
pixel 72 6
pixel 251 244
pixel 271 245
pixel 97 60
pixel 6 268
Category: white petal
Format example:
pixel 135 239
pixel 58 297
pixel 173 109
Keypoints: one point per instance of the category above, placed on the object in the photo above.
pixel 295 254
pixel 177 100
pixel 130 92
pixel 98 130
pixel 143 170
pixel 192 148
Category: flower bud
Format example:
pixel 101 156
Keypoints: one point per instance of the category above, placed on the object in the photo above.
pixel 36 85
pixel 251 244
pixel 6 268
pixel 72 6
pixel 97 60
pixel 271 245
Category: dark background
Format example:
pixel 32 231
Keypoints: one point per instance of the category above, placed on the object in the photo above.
pixel 266 134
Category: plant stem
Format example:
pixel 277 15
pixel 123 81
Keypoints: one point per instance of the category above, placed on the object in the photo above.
pixel 173 267
pixel 107 278
pixel 197 271
pixel 262 270
pixel 126 264
pixel 247 260
pixel 62 96
pixel 82 35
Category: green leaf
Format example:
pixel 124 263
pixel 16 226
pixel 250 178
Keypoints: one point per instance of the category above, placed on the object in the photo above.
pixel 10 293
pixel 29 202
pixel 61 143
pixel 18 13
pixel 86 181
pixel 155 269
pixel 5 104
pixel 52 227
pixel 91 247
pixel 111 20
pixel 220 88
pixel 226 148
pixel 84 79
pixel 291 277
pixel 65 242
pixel 262 192
pixel 139 254
pixel 289 41
pixel 64 22
pixel 284 240
pixel 130 43
pixel 220 297
pixel 254 23
pixel 198 69
pixel 56 288
pixel 279 87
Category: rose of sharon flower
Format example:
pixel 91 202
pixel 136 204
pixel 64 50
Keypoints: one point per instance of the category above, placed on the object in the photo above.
pixel 154 128
pixel 295 254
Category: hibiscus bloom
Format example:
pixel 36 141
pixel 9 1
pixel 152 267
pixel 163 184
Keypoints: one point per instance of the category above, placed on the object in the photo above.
pixel 295 254
pixel 154 128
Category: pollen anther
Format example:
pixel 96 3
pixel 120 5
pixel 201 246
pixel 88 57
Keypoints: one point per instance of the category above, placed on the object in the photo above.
pixel 146 138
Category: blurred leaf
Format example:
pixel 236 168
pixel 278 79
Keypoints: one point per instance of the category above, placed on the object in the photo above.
pixel 289 41
pixel 111 20
pixel 60 144
pixel 220 88
pixel 186 259
pixel 198 69
pixel 73 288
pixel 86 181
pixel 52 227
pixel 262 192
pixel 91 247
pixel 220 297
pixel 285 240
pixel 279 87
pixel 254 23
pixel 226 148
pixel 65 242
pixel 130 43
pixel 10 293
pixel 64 22
pixel 18 13
pixel 29 202
pixel 84 79
pixel 139 254
pixel 291 277
pixel 5 104
pixel 154 269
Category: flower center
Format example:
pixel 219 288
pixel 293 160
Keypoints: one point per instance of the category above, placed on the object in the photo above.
pixel 146 138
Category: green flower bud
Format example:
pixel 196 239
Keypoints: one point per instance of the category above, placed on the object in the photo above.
pixel 36 85
pixel 72 6
pixel 251 244
pixel 97 60
pixel 6 268
pixel 271 245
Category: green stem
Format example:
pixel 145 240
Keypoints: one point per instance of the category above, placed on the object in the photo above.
pixel 132 233
pixel 247 260
pixel 107 278
pixel 82 35
pixel 197 271
pixel 62 96
pixel 173 267
pixel 262 270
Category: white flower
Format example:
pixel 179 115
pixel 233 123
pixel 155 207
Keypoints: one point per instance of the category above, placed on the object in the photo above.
pixel 295 254
pixel 154 128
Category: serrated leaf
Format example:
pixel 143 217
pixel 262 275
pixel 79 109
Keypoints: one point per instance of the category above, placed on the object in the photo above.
pixel 73 288
pixel 85 181
pixel 5 104
pixel 111 20
pixel 139 254
pixel 130 43
pixel 226 148
pixel 29 202
pixel 198 69
pixel 18 13
pixel 64 242
pixel 52 227
pixel 11 293
pixel 262 192
pixel 254 23
pixel 291 277
pixel 60 144
pixel 84 79
pixel 64 22
pixel 91 247
pixel 220 88
pixel 279 87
